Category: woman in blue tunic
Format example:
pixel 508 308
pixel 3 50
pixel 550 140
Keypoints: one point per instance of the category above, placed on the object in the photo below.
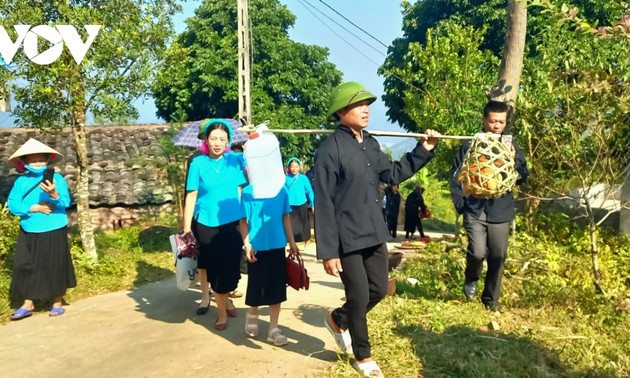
pixel 266 229
pixel 301 197
pixel 42 267
pixel 212 213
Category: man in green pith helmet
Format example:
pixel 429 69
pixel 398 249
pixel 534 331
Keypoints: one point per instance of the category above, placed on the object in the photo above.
pixel 349 225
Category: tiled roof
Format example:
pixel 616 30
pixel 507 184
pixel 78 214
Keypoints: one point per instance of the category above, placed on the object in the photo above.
pixel 121 162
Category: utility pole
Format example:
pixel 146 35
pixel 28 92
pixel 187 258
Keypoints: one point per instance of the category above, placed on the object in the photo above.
pixel 244 62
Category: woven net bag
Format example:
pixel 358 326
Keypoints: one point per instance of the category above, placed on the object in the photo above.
pixel 488 169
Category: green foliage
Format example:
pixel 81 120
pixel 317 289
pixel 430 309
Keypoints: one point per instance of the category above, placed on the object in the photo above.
pixel 553 324
pixel 445 38
pixel 446 75
pixel 291 81
pixel 127 257
pixel 173 166
pixel 116 70
pixel 9 228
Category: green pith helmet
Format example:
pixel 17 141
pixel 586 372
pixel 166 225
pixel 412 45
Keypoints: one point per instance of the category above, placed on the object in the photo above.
pixel 347 94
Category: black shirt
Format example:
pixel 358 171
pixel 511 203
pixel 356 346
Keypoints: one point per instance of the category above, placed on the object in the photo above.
pixel 349 213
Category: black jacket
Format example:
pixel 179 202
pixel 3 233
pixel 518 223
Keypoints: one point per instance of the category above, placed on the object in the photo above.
pixel 392 205
pixel 349 213
pixel 498 210
pixel 414 202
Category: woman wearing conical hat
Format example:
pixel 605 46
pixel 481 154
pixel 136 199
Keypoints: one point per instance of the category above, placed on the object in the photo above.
pixel 42 266
pixel 349 225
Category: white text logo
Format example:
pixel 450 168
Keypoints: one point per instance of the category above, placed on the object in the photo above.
pixel 57 36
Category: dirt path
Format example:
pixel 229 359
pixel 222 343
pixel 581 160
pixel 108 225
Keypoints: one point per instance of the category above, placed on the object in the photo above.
pixel 153 331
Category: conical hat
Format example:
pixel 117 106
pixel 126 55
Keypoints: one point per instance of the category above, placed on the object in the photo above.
pixel 33 146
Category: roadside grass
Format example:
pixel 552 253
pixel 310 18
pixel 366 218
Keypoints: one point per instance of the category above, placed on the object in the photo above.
pixel 428 330
pixel 128 257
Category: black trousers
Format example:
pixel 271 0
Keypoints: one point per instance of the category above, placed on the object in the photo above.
pixel 486 241
pixel 364 278
pixel 392 224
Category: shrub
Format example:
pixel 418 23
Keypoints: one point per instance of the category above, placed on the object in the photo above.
pixel 9 227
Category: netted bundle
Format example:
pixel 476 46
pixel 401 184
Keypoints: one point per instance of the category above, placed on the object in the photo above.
pixel 488 169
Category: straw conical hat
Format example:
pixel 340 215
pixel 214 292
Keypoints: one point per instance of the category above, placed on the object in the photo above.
pixel 33 146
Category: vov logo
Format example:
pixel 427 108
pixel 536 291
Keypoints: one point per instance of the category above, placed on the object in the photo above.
pixel 57 36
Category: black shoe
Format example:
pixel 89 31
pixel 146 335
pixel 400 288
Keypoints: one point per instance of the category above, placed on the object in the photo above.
pixel 470 289
pixel 203 310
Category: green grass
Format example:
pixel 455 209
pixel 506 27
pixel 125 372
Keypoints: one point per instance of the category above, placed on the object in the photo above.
pixel 427 330
pixel 127 258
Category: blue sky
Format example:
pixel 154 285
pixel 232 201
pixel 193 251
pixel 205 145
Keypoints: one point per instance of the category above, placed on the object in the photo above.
pixel 358 61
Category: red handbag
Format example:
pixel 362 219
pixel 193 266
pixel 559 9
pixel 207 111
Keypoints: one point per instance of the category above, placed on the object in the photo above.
pixel 426 213
pixel 187 245
pixel 297 276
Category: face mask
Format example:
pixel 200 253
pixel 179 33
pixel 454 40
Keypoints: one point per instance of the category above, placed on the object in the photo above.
pixel 35 170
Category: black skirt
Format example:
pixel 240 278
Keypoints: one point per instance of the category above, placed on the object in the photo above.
pixel 220 251
pixel 300 223
pixel 412 222
pixel 267 279
pixel 42 266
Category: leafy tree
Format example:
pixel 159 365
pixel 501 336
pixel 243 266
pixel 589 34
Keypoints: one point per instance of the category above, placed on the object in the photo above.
pixel 575 117
pixel 450 75
pixel 483 16
pixel 291 81
pixel 573 102
pixel 117 69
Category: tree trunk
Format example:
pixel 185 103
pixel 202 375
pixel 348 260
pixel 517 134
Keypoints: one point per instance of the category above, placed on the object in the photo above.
pixel 506 88
pixel 86 229
pixel 592 228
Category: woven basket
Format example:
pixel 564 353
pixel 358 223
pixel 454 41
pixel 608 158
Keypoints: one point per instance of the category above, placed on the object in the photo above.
pixel 488 169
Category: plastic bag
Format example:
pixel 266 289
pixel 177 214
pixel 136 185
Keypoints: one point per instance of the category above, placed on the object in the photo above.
pixel 186 274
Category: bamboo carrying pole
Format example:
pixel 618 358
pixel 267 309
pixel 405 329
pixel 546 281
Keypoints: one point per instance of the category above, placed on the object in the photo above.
pixel 372 132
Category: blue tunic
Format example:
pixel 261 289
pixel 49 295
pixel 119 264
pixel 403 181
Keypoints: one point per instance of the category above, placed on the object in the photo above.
pixel 264 216
pixel 300 190
pixel 217 182
pixel 39 222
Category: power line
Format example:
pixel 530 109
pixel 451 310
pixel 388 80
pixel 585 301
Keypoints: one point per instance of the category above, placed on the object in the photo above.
pixel 334 32
pixel 390 72
pixel 353 24
pixel 344 28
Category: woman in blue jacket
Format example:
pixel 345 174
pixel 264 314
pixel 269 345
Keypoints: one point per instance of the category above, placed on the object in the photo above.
pixel 42 266
pixel 301 197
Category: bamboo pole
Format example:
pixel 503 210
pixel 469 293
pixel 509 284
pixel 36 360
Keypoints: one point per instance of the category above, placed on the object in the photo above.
pixel 372 132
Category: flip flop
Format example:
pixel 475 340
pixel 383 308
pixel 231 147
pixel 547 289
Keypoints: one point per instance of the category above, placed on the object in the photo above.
pixel 21 313
pixel 56 311
pixel 343 340
pixel 368 369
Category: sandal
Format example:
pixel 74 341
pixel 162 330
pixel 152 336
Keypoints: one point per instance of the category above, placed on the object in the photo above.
pixel 251 329
pixel 343 339
pixel 276 337
pixel 368 369
pixel 21 313
pixel 56 311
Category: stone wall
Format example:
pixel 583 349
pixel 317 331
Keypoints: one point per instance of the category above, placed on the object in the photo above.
pixel 108 218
